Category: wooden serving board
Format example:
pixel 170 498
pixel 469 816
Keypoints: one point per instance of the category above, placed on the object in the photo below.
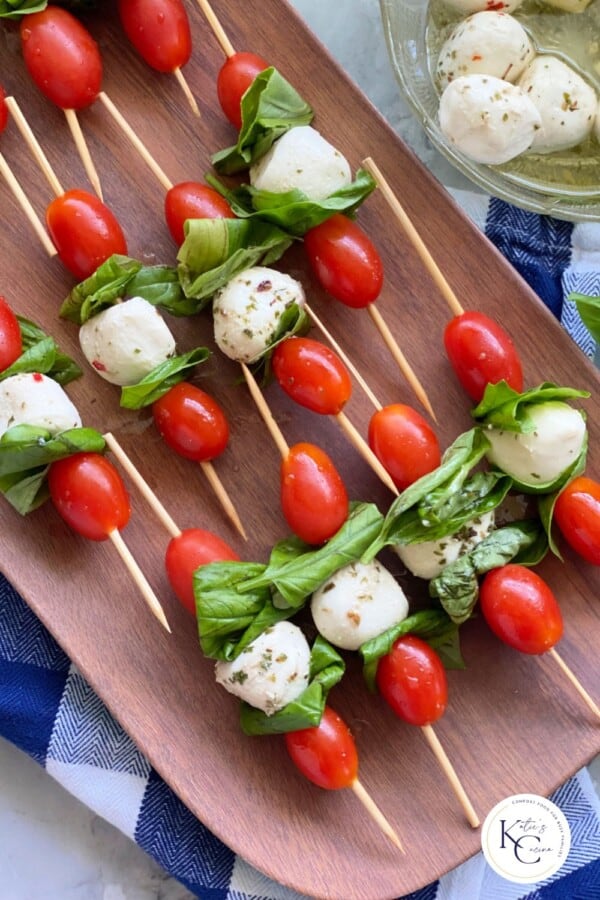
pixel 513 723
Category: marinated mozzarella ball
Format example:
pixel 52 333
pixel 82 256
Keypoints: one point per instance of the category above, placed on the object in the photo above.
pixel 429 558
pixel 304 160
pixel 360 601
pixel 271 671
pixel 125 342
pixel 491 43
pixel 539 456
pixel 488 119
pixel 246 312
pixel 566 103
pixel 471 6
pixel 34 399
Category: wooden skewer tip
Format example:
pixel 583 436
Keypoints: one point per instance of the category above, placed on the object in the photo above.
pixel 376 814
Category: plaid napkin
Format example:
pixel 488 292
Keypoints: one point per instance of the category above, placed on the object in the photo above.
pixel 48 710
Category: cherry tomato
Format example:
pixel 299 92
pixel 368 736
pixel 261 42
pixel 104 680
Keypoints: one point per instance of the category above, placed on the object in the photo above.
pixel 89 494
pixel 11 343
pixel 481 353
pixel 577 514
pixel 3 110
pixel 313 496
pixel 159 30
pixel 404 443
pixel 84 231
pixel 312 375
pixel 191 422
pixel 521 609
pixel 412 680
pixel 190 200
pixel 234 78
pixel 345 261
pixel 191 549
pixel 62 57
pixel 325 754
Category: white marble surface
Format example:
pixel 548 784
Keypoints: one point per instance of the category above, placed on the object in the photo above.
pixel 52 847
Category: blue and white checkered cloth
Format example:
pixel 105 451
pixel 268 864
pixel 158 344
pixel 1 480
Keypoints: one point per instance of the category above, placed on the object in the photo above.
pixel 48 710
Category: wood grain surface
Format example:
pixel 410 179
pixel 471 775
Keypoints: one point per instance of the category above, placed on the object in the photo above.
pixel 513 722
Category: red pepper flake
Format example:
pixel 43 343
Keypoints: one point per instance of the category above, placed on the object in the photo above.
pixel 476 57
pixel 264 286
pixel 37 376
pixel 99 366
pixel 493 5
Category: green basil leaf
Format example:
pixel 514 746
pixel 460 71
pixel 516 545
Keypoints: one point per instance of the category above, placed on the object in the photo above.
pixel 299 577
pixel 161 379
pixel 26 453
pixel 270 107
pixel 228 620
pixel 26 492
pixel 588 308
pixel 432 625
pixel 160 286
pixel 293 211
pixel 502 407
pixel 41 354
pixel 457 587
pixel 102 289
pixel 547 502
pixel 214 250
pixel 326 670
pixel 403 522
pixel 14 9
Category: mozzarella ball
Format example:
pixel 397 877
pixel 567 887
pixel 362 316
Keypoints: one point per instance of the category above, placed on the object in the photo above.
pixel 471 6
pixel 304 160
pixel 491 43
pixel 566 103
pixel 597 123
pixel 360 601
pixel 271 671
pixel 541 455
pixel 125 342
pixel 246 312
pixel 34 399
pixel 488 119
pixel 429 558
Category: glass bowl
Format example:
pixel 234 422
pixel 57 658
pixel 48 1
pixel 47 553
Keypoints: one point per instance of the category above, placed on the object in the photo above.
pixel 565 184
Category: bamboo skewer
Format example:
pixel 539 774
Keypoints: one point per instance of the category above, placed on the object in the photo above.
pixel 343 356
pixel 400 358
pixel 34 145
pixel 83 150
pixel 217 28
pixel 222 496
pixel 139 578
pixel 135 140
pixel 182 82
pixel 450 773
pixel 348 428
pixel 375 813
pixel 26 206
pixel 430 264
pixel 359 443
pixel 575 682
pixel 142 485
pixel 265 412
